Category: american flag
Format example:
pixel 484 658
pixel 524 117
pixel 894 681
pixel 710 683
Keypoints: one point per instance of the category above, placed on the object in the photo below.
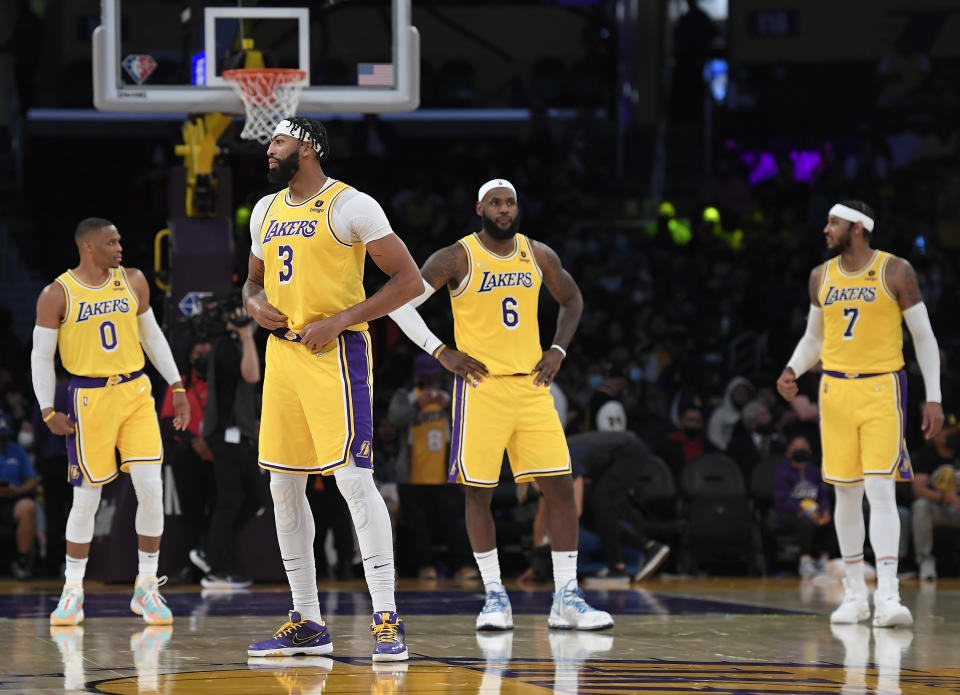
pixel 375 74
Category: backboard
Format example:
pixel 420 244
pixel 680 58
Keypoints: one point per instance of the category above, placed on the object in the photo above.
pixel 153 56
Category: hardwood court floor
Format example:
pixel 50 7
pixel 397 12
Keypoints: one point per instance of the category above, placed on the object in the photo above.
pixel 674 636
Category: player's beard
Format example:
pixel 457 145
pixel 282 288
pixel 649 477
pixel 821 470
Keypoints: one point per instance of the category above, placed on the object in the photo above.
pixel 286 168
pixel 494 230
pixel 842 245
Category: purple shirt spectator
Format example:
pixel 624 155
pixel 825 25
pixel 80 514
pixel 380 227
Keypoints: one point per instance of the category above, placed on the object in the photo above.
pixel 792 485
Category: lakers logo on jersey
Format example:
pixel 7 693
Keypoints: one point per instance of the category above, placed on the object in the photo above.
pixel 495 307
pixel 364 450
pixel 98 334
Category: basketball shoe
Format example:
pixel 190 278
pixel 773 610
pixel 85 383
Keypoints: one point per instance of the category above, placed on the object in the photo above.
pixel 497 613
pixel 148 602
pixel 855 606
pixel 69 610
pixel 295 636
pixel 570 611
pixel 390 639
pixel 887 609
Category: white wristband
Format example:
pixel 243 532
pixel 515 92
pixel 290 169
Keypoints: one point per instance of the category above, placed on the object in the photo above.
pixel 558 349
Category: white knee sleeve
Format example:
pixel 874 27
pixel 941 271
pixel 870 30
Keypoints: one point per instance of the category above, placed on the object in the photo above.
pixel 86 499
pixel 290 507
pixel 848 520
pixel 884 519
pixel 148 484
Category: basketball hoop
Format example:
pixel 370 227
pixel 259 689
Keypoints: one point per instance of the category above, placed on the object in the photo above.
pixel 269 95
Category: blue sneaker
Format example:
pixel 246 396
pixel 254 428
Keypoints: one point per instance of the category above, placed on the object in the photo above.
pixel 497 613
pixel 570 611
pixel 296 636
pixel 390 636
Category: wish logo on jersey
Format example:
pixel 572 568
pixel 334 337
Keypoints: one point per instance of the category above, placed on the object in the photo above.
pixel 492 280
pixel 304 228
pixel 850 294
pixel 109 306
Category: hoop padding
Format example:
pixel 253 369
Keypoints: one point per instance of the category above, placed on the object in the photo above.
pixel 269 95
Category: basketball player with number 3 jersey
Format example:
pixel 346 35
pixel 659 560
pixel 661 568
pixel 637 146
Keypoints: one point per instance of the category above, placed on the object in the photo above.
pixel 99 316
pixel 860 299
pixel 308 246
pixel 501 398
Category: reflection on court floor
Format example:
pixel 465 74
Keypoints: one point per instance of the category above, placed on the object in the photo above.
pixel 716 636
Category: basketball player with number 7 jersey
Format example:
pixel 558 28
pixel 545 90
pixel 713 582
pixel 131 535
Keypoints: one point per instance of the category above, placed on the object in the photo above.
pixel 860 299
pixel 99 316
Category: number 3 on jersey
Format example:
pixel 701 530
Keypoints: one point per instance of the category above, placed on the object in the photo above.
pixel 286 257
pixel 509 308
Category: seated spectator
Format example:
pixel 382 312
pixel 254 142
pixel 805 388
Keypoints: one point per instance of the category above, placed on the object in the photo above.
pixel 802 506
pixel 754 437
pixel 936 470
pixel 17 509
pixel 686 442
pixel 727 414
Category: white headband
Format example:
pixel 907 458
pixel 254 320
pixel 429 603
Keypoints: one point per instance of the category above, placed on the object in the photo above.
pixel 285 127
pixel 495 183
pixel 851 215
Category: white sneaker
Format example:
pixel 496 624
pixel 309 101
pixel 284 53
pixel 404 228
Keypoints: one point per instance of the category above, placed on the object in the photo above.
pixel 497 613
pixel 928 570
pixel 807 567
pixel 855 606
pixel 570 611
pixel 887 609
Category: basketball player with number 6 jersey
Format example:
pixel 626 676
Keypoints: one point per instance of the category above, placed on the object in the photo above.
pixel 502 399
pixel 308 246
pixel 99 316
pixel 860 299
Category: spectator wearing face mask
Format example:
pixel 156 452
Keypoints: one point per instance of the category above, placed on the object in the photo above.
pixel 686 442
pixel 725 417
pixel 754 437
pixel 606 386
pixel 803 507
pixel 17 486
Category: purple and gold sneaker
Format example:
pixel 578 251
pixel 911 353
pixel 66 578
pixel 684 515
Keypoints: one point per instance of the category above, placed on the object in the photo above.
pixel 390 637
pixel 296 636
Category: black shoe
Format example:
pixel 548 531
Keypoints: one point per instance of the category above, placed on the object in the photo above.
pixel 21 568
pixel 224 581
pixel 653 556
pixel 199 560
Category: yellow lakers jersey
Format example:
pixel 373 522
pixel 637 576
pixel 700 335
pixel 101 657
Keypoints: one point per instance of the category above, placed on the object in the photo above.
pixel 862 322
pixel 311 270
pixel 429 437
pixel 495 308
pixel 98 333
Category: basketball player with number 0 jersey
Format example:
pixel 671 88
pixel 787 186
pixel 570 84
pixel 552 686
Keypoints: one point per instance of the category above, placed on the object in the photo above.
pixel 501 398
pixel 860 299
pixel 99 316
pixel 308 246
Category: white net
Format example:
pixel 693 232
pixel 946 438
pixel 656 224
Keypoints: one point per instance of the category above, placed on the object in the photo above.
pixel 269 95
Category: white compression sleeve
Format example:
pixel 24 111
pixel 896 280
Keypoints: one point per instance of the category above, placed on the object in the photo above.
pixel 41 363
pixel 413 325
pixel 925 345
pixel 157 348
pixel 810 347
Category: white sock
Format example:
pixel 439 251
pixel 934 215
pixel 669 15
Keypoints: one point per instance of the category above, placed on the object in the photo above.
pixel 854 571
pixel 564 567
pixel 848 521
pixel 374 533
pixel 76 568
pixel 147 566
pixel 489 565
pixel 295 531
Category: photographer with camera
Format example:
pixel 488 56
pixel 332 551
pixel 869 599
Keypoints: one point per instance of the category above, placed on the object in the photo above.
pixel 230 428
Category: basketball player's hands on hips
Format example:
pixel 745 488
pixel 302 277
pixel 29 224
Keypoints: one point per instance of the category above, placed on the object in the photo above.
pixel 787 385
pixel 60 423
pixel 463 365
pixel 547 367
pixel 181 411
pixel 932 420
pixel 317 334
pixel 266 314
